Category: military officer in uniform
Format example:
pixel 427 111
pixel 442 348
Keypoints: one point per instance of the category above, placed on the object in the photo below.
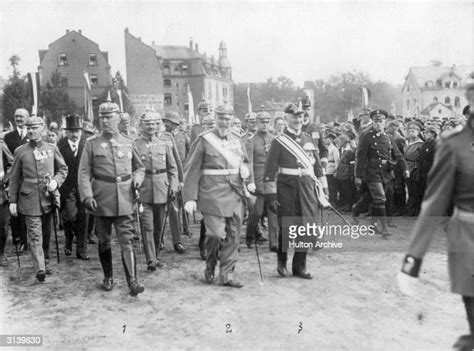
pixel 13 140
pixel 293 194
pixel 314 132
pixel 427 152
pixel 259 146
pixel 6 160
pixel 72 211
pixel 109 170
pixel 124 126
pixel 450 180
pixel 161 182
pixel 215 176
pixel 38 170
pixel 374 166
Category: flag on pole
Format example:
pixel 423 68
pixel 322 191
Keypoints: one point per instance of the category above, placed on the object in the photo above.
pixel 248 97
pixel 33 80
pixel 109 99
pixel 88 111
pixel 192 118
pixel 393 111
pixel 365 97
pixel 350 116
pixel 119 93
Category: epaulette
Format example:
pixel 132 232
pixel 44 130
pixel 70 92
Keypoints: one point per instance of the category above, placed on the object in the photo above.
pixel 450 133
pixel 205 132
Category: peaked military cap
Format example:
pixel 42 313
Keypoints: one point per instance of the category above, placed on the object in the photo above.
pixel 293 109
pixel 108 108
pixel 377 113
pixel 34 121
pixel 171 116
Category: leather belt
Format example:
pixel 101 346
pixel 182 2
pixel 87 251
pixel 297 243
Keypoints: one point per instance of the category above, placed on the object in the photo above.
pixel 31 180
pixel 155 171
pixel 296 171
pixel 463 215
pixel 109 179
pixel 220 171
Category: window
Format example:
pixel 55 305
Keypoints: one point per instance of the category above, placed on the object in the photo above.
pixel 184 70
pixel 166 69
pixel 439 83
pixel 177 87
pixel 457 102
pixel 224 92
pixel 92 60
pixel 408 88
pixel 447 100
pixel 186 107
pixel 62 59
pixel 447 84
pixel 95 101
pixel 455 85
pixel 429 84
pixel 168 100
pixel 435 99
pixel 94 81
pixel 439 111
pixel 167 83
pixel 63 80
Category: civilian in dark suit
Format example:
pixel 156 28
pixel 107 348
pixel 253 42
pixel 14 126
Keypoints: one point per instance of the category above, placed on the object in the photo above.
pixel 13 140
pixel 71 147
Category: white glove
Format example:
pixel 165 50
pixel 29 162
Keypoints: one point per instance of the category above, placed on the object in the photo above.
pixel 251 187
pixel 190 206
pixel 13 210
pixel 244 172
pixel 180 186
pixel 52 186
pixel 408 285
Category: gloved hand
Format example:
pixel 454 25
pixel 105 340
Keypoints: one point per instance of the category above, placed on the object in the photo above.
pixel 13 210
pixel 90 204
pixel 190 206
pixel 172 195
pixel 244 172
pixel 136 185
pixel 251 187
pixel 180 186
pixel 406 174
pixel 358 182
pixel 52 186
pixel 273 206
pixel 408 277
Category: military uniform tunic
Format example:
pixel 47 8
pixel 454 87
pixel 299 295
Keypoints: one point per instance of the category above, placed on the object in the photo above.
pixel 451 179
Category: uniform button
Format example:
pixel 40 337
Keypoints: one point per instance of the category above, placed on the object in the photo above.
pixel 118 179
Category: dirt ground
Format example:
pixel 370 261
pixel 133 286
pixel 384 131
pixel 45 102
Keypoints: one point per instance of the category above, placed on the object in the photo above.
pixel 353 302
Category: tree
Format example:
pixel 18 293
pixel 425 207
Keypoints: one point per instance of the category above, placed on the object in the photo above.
pixel 55 101
pixel 15 93
pixel 118 84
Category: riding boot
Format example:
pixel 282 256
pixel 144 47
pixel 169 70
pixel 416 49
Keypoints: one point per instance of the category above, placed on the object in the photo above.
pixel 130 268
pixel 69 234
pixel 106 262
pixel 202 241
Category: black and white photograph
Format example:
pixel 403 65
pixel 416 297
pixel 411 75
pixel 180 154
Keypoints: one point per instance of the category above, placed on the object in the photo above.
pixel 236 175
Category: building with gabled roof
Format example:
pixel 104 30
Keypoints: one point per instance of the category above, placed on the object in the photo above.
pixel 159 76
pixel 71 55
pixel 435 91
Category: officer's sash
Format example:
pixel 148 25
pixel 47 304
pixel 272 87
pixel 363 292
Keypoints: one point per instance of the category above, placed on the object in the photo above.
pixel 300 154
pixel 232 159
pixel 296 150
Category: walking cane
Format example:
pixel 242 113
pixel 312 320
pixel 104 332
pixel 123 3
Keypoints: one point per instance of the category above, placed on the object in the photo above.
pixel 258 259
pixel 5 189
pixel 186 226
pixel 163 225
pixel 47 180
pixel 139 210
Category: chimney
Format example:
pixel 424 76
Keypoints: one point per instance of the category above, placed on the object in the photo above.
pixel 80 31
pixel 126 30
pixel 190 43
pixel 153 42
pixel 196 47
pixel 67 31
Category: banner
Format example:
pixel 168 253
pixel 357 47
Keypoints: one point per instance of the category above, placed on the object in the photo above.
pixel 192 118
pixel 248 98
pixel 88 110
pixel 33 80
pixel 365 97
pixel 119 93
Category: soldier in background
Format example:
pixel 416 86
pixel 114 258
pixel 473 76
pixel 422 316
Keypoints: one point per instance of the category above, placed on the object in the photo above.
pixel 412 158
pixel 109 171
pixel 125 127
pixel 278 126
pixel 215 176
pixel 259 147
pixel 171 122
pixel 72 210
pixel 375 156
pixel 204 111
pixel 314 132
pixel 6 160
pixel 37 172
pixel 14 139
pixel 292 194
pixel 399 189
pixel 450 180
pixel 160 183
pixel 237 126
pixel 250 124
